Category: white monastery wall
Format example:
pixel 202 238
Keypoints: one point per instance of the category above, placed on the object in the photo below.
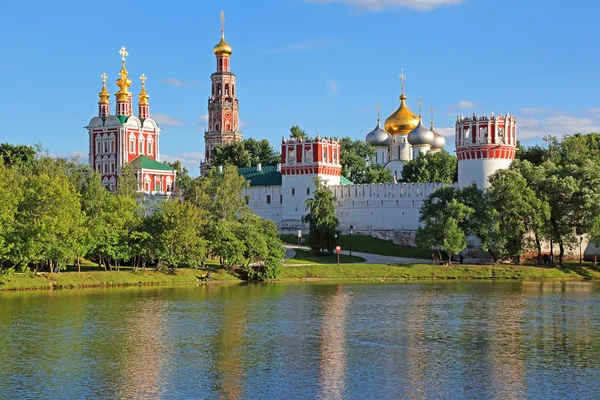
pixel 266 202
pixel 477 171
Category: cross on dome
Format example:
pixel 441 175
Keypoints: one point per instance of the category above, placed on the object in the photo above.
pixel 222 22
pixel 378 110
pixel 420 108
pixel 104 78
pixel 143 79
pixel 123 52
pixel 431 110
pixel 402 79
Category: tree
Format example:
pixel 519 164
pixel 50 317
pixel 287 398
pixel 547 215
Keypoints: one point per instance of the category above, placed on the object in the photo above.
pixel 261 152
pixel 233 153
pixel 431 167
pixel 10 197
pixel 321 218
pixel 16 155
pixel 441 225
pixel 297 134
pixel 175 228
pixel 357 160
pixel 519 213
pixel 263 247
pixel 534 154
pixel 183 177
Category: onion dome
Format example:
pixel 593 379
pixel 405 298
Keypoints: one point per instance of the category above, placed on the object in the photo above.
pixel 123 82
pixel 104 95
pixel 378 137
pixel 439 142
pixel 143 96
pixel 421 136
pixel 403 121
pixel 222 49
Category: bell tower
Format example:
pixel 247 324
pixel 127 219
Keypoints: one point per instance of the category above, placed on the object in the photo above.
pixel 223 106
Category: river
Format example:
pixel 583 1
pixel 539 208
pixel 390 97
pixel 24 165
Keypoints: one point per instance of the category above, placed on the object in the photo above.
pixel 449 340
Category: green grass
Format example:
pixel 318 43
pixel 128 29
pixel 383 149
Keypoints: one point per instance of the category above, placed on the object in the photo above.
pixel 307 257
pixel 426 271
pixel 113 278
pixel 369 244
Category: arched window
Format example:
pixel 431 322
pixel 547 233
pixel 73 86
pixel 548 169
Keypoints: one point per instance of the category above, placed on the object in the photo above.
pixel 169 184
pixel 149 145
pixel 227 90
pixel 213 89
pixel 227 127
pixel 146 183
pixel 219 89
pixel 141 144
pixel 112 142
pixel 132 143
pixel 157 186
pixel 233 90
pixel 217 127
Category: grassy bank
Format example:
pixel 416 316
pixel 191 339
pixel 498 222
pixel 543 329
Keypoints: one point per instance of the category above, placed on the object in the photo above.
pixel 113 278
pixel 369 244
pixel 307 257
pixel 423 272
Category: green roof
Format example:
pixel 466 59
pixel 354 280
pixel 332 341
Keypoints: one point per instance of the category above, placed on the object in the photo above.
pixel 345 181
pixel 143 162
pixel 269 176
pixel 122 118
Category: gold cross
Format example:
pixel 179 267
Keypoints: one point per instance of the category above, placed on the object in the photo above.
pixel 222 21
pixel 104 78
pixel 123 52
pixel 420 107
pixel 402 79
pixel 431 109
pixel 378 110
pixel 143 79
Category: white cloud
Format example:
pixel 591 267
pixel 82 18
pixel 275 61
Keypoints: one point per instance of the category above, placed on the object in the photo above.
pixel 536 110
pixel 163 119
pixel 595 112
pixel 558 125
pixel 333 87
pixel 190 160
pixel 465 104
pixel 179 83
pixel 380 5
pixel 304 46
pixel 445 132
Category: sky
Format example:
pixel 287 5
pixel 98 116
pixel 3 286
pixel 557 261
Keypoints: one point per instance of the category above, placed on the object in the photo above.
pixel 320 64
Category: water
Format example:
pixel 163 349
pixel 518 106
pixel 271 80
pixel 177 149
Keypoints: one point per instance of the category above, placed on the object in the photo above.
pixel 476 340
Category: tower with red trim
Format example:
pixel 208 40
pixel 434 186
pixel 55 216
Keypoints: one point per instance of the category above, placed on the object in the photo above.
pixel 301 162
pixel 223 106
pixel 483 146
pixel 123 138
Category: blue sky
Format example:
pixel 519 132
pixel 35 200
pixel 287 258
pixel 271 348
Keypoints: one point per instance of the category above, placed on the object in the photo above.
pixel 319 64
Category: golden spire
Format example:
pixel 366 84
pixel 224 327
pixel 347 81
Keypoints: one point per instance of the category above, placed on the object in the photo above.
pixel 222 48
pixel 104 95
pixel 378 111
pixel 431 110
pixel 420 108
pixel 402 79
pixel 123 82
pixel 143 95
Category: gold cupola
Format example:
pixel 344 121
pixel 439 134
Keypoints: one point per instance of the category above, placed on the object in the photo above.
pixel 104 95
pixel 123 82
pixel 222 49
pixel 403 121
pixel 143 96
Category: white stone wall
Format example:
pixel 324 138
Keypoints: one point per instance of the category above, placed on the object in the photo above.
pixel 266 202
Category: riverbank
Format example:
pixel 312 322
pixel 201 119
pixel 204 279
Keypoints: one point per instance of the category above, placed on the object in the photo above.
pixel 414 272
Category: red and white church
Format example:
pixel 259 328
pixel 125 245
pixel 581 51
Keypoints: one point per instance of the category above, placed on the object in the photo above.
pixel 123 138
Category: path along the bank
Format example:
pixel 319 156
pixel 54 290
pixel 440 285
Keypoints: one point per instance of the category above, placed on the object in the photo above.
pixel 369 258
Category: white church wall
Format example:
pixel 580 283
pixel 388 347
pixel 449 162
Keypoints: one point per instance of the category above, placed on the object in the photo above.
pixel 477 171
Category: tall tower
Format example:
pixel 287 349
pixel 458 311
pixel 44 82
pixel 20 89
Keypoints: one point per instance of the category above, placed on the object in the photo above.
pixel 483 146
pixel 223 106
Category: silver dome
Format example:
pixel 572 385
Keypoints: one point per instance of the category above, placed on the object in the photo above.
pixel 439 142
pixel 421 136
pixel 378 137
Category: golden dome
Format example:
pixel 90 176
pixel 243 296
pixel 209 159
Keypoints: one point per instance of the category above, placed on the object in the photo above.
pixel 143 96
pixel 104 95
pixel 123 82
pixel 403 121
pixel 222 48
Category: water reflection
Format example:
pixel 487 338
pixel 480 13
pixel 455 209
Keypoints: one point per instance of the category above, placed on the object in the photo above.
pixel 331 341
pixel 333 345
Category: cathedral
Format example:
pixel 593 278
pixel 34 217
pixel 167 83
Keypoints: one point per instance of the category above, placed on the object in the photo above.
pixel 123 138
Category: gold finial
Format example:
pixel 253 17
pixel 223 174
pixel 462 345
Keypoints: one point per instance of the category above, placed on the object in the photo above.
pixel 104 95
pixel 402 79
pixel 123 82
pixel 431 110
pixel 420 108
pixel 143 95
pixel 378 111
pixel 222 23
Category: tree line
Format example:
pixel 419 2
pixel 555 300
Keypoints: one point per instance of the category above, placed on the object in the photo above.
pixel 54 212
pixel 549 194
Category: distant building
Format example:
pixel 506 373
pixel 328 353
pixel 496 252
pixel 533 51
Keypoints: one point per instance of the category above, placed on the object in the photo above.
pixel 122 138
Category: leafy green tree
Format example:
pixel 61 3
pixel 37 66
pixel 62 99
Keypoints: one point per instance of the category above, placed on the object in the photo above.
pixel 431 167
pixel 225 244
pixel 17 155
pixel 519 212
pixel 261 152
pixel 321 218
pixel 358 163
pixel 10 197
pixel 297 134
pixel 48 221
pixel 175 228
pixel 183 177
pixel 246 153
pixel 441 226
pixel 263 247
pixel 127 183
pixel 536 155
